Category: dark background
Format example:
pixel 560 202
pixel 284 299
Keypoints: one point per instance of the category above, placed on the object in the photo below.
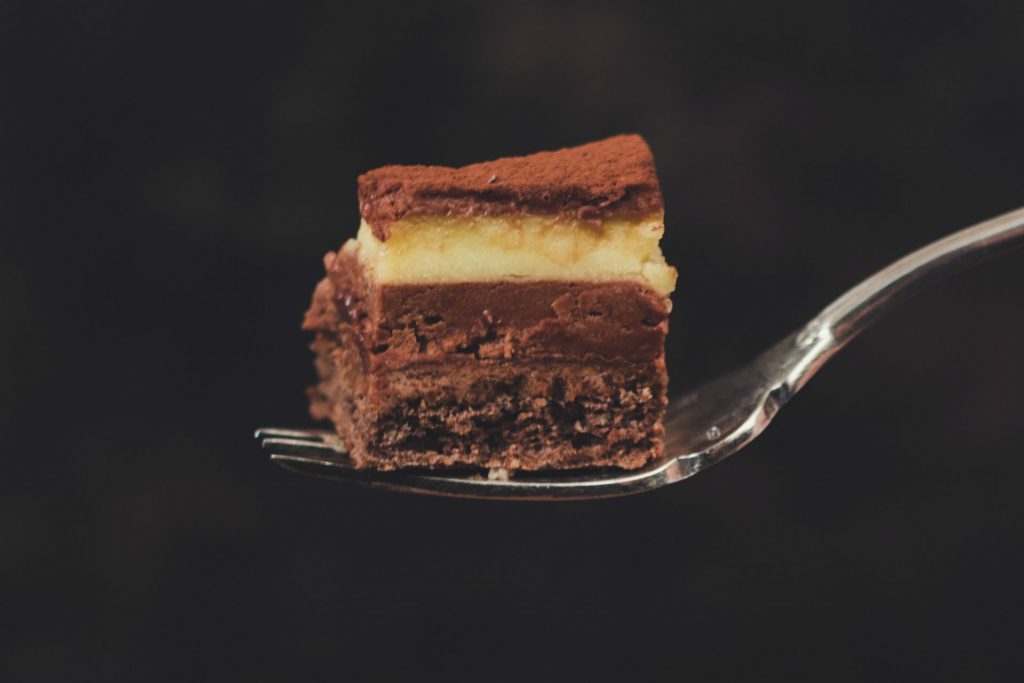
pixel 171 176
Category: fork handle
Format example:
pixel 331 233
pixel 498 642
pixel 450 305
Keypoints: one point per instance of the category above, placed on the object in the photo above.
pixel 851 313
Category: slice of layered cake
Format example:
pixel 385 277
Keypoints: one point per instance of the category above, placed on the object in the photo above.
pixel 508 314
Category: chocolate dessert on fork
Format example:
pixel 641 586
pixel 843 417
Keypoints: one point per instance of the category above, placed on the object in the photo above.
pixel 508 314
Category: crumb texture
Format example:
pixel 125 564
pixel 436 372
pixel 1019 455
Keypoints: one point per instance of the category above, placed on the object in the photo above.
pixel 552 415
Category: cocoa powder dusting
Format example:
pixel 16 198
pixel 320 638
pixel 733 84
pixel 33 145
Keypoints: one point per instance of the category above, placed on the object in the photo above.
pixel 612 177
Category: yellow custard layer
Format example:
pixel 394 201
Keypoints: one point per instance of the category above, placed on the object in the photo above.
pixel 438 249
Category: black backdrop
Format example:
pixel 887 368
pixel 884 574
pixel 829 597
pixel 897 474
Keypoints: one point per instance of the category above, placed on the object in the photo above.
pixel 171 177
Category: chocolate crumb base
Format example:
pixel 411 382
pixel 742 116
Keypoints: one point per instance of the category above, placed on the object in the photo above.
pixel 514 416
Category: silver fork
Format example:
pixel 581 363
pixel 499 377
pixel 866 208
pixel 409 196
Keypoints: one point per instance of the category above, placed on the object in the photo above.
pixel 706 425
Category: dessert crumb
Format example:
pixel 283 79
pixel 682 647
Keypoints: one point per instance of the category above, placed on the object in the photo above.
pixel 497 474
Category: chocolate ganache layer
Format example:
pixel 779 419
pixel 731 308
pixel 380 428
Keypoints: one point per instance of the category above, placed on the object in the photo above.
pixel 613 177
pixel 402 323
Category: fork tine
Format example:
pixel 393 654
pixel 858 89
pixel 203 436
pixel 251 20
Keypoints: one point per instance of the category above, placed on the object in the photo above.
pixel 310 459
pixel 301 447
pixel 337 467
pixel 308 434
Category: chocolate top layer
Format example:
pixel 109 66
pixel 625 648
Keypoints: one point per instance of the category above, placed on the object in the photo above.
pixel 613 177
